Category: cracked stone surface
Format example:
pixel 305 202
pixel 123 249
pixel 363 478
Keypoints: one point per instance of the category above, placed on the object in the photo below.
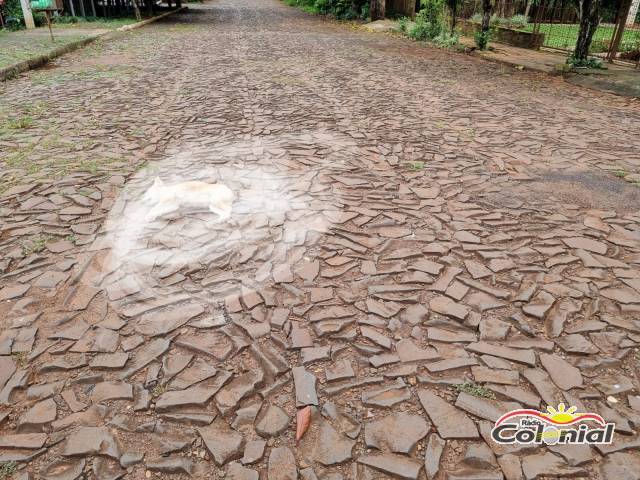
pixel 406 220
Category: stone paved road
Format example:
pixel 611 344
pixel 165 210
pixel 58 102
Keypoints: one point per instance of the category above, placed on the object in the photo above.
pixel 420 242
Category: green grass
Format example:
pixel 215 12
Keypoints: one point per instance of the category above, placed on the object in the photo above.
pixel 475 390
pixel 90 22
pixel 304 5
pixel 564 36
pixel 7 469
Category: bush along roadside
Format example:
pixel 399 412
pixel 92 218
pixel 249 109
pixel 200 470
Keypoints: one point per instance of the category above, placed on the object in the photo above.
pixel 431 24
pixel 341 9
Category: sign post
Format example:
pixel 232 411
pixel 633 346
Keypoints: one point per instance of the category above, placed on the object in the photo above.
pixel 26 13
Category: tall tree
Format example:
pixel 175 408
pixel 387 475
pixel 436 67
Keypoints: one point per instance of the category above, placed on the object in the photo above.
pixel 487 7
pixel 589 21
pixel 453 11
pixel 376 9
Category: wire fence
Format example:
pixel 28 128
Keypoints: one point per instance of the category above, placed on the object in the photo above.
pixel 559 22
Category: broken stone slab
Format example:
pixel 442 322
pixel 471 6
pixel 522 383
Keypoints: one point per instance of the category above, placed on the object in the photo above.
pixel 65 469
pixel 38 416
pixel 91 441
pixel 282 464
pixel 399 432
pixel 197 396
pixel 29 441
pixel 147 354
pixel 331 447
pixel 222 443
pixel 106 391
pixel 398 466
pixel 563 374
pixel 449 421
pixel 433 453
pixel 410 352
pixel 546 464
pixel 235 471
pixel 228 398
pixel 271 421
pixel 527 357
pixel 448 307
pixel 305 386
pixel 253 451
pixel 163 322
pixel 485 408
pixel 386 396
pixel 171 465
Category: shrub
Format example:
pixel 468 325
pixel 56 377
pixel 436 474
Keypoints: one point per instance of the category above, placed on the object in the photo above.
pixel 519 21
pixel 430 21
pixel 402 24
pixel 446 39
pixel 584 63
pixel 482 39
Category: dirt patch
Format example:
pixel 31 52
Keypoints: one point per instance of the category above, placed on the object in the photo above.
pixel 590 190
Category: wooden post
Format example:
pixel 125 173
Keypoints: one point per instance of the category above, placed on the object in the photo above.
pixel 47 14
pixel 137 10
pixel 26 13
pixel 618 30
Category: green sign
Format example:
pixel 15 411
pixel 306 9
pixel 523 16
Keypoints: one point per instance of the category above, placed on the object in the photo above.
pixel 43 5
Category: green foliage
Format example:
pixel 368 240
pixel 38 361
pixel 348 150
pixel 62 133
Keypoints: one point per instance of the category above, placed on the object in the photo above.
pixel 446 39
pixel 402 24
pixel 518 21
pixel 416 166
pixel 475 390
pixel 482 39
pixel 430 21
pixel 584 62
pixel 342 9
pixel 19 123
pixel 620 173
pixel 7 469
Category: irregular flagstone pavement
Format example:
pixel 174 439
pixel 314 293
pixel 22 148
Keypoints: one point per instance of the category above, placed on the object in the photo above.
pixel 406 220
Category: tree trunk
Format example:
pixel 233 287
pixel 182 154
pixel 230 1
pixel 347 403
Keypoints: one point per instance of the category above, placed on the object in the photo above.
pixel 527 9
pixel 589 20
pixel 487 6
pixel 376 9
pixel 453 10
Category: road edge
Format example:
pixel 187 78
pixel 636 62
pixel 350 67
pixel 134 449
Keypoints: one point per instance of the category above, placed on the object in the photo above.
pixel 16 69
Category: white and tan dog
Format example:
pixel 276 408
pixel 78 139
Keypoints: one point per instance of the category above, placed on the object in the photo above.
pixel 218 198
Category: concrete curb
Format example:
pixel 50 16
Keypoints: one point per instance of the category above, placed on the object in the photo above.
pixel 36 62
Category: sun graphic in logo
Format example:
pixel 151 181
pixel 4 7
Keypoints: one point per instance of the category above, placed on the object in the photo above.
pixel 562 415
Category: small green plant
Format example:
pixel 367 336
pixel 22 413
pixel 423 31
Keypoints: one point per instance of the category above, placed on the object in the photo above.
pixel 20 358
pixel 19 123
pixel 446 39
pixel 7 469
pixel 518 21
pixel 416 166
pixel 430 21
pixel 585 62
pixel 620 173
pixel 35 245
pixel 475 390
pixel 158 390
pixel 482 39
pixel 402 24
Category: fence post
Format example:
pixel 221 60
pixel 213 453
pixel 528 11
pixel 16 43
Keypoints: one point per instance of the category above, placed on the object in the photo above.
pixel 618 31
pixel 26 13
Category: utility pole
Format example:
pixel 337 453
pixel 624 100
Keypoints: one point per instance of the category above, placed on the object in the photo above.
pixel 26 13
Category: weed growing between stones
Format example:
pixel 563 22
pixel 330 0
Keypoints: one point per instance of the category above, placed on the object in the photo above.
pixel 475 390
